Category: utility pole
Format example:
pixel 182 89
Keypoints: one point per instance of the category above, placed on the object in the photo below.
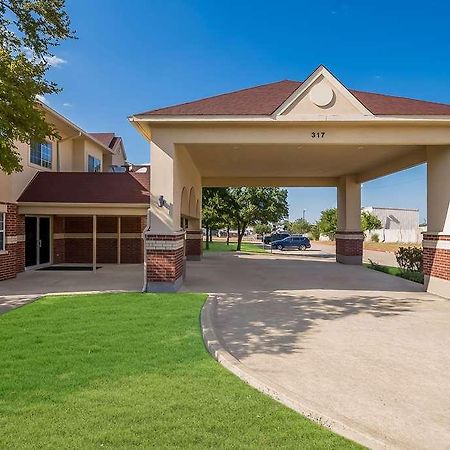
pixel 304 214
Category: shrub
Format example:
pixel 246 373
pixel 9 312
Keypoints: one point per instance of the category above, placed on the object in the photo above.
pixel 375 238
pixel 410 258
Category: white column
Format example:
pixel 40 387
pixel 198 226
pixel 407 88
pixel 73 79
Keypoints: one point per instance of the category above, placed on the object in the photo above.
pixel 438 189
pixel 436 241
pixel 349 204
pixel 349 237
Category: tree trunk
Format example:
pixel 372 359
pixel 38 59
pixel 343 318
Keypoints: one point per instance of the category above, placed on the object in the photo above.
pixel 207 236
pixel 210 235
pixel 240 236
pixel 228 235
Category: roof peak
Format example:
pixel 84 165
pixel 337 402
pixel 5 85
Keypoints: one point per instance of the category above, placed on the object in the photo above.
pixel 265 99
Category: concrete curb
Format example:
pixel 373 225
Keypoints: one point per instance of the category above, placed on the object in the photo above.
pixel 277 392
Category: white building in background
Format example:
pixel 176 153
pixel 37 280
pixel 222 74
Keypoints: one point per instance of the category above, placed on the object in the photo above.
pixel 398 224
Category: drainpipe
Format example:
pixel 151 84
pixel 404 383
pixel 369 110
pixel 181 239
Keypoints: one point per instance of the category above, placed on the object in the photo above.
pixel 58 162
pixel 147 228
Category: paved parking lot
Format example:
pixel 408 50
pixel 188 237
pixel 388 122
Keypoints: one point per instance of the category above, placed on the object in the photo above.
pixel 365 349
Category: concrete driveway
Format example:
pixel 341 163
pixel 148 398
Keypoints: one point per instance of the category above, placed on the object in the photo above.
pixel 356 347
pixel 32 284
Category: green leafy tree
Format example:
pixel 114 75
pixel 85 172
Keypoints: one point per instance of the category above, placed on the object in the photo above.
pixel 370 221
pixel 29 29
pixel 262 228
pixel 257 205
pixel 327 222
pixel 215 210
pixel 299 226
pixel 315 232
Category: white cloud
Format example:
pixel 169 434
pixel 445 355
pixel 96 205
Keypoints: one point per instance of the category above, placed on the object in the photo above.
pixel 51 60
pixel 67 105
pixel 54 61
pixel 42 99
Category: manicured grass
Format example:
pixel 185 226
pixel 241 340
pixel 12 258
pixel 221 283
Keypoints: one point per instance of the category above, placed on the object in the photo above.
pixel 130 370
pixel 390 247
pixel 417 277
pixel 219 246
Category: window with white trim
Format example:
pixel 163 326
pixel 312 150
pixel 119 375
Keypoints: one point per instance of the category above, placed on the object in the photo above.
pixel 2 231
pixel 94 164
pixel 41 154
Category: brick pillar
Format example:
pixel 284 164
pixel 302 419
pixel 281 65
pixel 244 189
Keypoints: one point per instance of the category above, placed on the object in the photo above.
pixel 436 263
pixel 349 247
pixel 194 245
pixel 12 259
pixel 165 261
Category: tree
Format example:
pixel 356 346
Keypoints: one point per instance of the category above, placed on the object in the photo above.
pixel 315 231
pixel 29 29
pixel 257 205
pixel 214 210
pixel 262 228
pixel 299 226
pixel 327 223
pixel 370 221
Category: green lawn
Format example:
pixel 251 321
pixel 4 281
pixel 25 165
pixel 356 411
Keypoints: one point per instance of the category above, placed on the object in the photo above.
pixel 130 370
pixel 220 246
pixel 417 277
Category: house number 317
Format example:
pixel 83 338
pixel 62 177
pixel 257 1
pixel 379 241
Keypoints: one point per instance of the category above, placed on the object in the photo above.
pixel 318 134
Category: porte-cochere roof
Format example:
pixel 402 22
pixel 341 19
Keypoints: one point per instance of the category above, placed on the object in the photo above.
pixel 267 98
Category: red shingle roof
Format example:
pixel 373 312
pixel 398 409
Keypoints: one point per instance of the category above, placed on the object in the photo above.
pixel 265 99
pixel 83 187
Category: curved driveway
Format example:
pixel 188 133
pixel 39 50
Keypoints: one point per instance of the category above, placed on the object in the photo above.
pixel 363 348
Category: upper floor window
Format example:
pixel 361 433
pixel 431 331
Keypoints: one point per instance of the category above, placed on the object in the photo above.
pixel 94 164
pixel 41 154
pixel 2 231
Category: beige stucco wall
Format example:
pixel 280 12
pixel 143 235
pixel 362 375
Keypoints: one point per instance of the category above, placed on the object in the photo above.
pixel 349 204
pixel 340 105
pixel 73 153
pixel 187 179
pixel 438 189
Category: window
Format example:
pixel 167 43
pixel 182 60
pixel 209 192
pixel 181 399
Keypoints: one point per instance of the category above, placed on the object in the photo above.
pixel 41 154
pixel 2 231
pixel 94 164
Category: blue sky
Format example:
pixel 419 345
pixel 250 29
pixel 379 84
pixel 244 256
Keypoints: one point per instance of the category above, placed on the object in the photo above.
pixel 132 56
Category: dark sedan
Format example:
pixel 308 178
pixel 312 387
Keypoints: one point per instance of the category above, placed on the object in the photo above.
pixel 293 243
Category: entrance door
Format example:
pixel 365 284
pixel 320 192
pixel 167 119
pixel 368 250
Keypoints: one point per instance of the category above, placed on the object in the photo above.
pixel 37 241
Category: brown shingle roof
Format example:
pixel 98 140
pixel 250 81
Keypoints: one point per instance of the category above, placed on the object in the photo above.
pixel 83 187
pixel 265 99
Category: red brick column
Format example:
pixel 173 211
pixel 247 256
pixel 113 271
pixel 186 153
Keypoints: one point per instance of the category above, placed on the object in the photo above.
pixel 59 243
pixel 12 260
pixel 436 263
pixel 349 247
pixel 164 261
pixel 194 245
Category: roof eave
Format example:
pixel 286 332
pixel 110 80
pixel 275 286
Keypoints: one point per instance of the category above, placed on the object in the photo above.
pixel 71 124
pixel 172 119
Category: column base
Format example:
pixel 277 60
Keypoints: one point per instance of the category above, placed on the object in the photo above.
pixel 164 286
pixel 194 242
pixel 436 263
pixel 349 247
pixel 165 261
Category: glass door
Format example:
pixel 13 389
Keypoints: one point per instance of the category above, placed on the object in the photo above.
pixel 31 241
pixel 37 241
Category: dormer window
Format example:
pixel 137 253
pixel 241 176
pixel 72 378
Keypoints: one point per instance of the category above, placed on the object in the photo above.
pixel 94 164
pixel 41 154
